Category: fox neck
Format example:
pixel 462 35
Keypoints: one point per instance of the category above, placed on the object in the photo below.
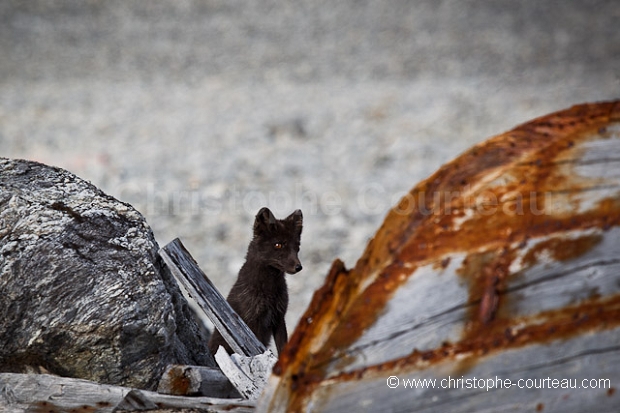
pixel 259 268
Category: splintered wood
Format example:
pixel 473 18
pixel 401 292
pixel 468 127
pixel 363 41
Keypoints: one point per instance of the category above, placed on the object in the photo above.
pixel 505 262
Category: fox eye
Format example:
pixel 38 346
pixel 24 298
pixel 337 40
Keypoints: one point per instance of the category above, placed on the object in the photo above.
pixel 277 245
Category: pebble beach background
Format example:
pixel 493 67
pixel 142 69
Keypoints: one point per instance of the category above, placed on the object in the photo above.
pixel 198 113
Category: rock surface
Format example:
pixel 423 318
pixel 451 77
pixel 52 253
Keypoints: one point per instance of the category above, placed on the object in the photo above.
pixel 84 292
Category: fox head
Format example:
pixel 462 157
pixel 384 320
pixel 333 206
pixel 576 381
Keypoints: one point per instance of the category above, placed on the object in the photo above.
pixel 276 241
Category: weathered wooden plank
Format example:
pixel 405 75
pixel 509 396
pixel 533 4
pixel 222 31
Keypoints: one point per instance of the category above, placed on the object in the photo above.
pixel 185 269
pixel 503 264
pixel 412 323
pixel 164 401
pixel 518 381
pixel 46 393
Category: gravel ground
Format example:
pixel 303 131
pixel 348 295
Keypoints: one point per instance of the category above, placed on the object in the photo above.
pixel 200 112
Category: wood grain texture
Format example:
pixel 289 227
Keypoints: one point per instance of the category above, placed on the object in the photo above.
pixel 45 393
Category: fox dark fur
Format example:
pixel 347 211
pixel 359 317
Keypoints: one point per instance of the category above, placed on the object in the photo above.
pixel 260 295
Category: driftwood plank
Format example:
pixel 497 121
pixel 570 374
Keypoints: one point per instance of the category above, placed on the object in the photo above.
pixel 28 392
pixel 138 400
pixel 46 393
pixel 185 269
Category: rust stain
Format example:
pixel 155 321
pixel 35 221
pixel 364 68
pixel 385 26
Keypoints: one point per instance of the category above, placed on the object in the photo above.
pixel 562 249
pixel 48 407
pixel 461 208
pixel 340 325
pixel 322 304
pixel 44 407
pixel 299 374
pixel 532 147
pixel 595 314
pixel 179 382
pixel 488 274
pixel 319 320
pixel 358 317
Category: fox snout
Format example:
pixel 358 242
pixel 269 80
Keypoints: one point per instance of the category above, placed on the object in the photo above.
pixel 294 267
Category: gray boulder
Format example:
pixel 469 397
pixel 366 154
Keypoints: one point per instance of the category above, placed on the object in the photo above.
pixel 84 292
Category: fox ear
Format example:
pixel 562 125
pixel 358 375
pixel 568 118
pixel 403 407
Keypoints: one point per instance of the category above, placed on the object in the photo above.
pixel 264 219
pixel 297 218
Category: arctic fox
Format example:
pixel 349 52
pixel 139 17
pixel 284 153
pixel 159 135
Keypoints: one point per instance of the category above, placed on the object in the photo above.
pixel 260 295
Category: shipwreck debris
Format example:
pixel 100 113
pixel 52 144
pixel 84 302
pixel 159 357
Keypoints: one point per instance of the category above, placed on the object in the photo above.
pixel 506 262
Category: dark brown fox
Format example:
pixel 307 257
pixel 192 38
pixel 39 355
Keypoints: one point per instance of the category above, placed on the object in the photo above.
pixel 260 295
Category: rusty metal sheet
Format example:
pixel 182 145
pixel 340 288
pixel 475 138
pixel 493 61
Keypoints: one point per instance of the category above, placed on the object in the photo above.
pixel 505 260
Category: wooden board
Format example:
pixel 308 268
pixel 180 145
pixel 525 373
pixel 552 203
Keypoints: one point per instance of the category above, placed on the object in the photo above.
pixel 47 393
pixel 187 273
